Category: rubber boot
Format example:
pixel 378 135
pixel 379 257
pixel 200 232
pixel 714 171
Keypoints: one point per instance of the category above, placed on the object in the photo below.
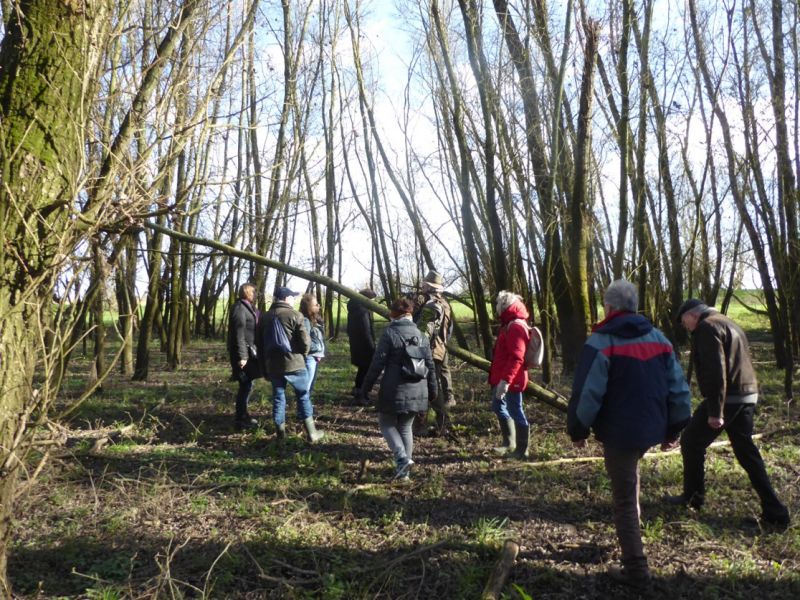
pixel 442 422
pixel 313 435
pixel 509 435
pixel 522 431
pixel 420 426
pixel 280 433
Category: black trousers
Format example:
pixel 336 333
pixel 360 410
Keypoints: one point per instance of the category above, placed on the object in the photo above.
pixel 242 396
pixel 739 426
pixel 361 374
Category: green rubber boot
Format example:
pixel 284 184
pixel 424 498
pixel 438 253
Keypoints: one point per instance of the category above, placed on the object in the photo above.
pixel 509 436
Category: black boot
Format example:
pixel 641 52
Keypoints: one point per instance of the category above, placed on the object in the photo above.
pixel 311 430
pixel 509 433
pixel 246 422
pixel 522 431
pixel 694 500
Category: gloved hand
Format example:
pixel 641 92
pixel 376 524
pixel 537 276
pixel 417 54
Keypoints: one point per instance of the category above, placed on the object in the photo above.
pixel 500 390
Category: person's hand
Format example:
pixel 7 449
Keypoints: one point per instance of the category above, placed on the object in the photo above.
pixel 579 443
pixel 716 422
pixel 242 364
pixel 500 390
pixel 669 445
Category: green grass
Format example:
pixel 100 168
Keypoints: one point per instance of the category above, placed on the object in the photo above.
pixel 177 504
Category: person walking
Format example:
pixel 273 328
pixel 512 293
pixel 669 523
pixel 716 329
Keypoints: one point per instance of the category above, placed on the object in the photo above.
pixel 629 389
pixel 287 365
pixel 361 334
pixel 245 368
pixel 508 376
pixel 402 393
pixel 728 385
pixel 312 321
pixel 434 317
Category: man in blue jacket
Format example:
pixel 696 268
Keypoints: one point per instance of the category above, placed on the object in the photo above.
pixel 630 390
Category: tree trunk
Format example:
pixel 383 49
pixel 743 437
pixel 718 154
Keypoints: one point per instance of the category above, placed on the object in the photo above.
pixel 46 53
pixel 580 225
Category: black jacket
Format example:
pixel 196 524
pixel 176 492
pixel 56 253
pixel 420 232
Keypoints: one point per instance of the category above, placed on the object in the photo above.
pixel 721 356
pixel 241 336
pixel 397 395
pixel 360 333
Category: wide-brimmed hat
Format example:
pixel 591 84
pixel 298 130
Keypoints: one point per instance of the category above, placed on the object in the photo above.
pixel 690 304
pixel 434 280
pixel 283 292
pixel 368 292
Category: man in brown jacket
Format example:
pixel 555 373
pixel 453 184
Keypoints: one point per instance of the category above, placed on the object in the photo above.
pixel 727 382
pixel 434 318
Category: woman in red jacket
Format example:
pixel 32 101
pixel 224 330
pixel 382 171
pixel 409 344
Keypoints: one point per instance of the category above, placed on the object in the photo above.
pixel 508 375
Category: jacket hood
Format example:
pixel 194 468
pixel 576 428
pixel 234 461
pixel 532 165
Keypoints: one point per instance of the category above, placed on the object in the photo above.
pixel 624 325
pixel 515 311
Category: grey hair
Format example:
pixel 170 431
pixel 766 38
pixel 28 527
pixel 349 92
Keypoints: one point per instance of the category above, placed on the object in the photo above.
pixel 622 295
pixel 506 299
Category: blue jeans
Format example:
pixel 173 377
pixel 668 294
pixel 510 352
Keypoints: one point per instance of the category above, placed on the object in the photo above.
pixel 311 369
pixel 299 381
pixel 510 407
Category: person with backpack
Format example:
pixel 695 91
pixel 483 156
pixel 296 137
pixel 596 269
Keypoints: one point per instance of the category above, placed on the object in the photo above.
pixel 404 357
pixel 245 367
pixel 434 316
pixel 508 374
pixel 285 345
pixel 312 321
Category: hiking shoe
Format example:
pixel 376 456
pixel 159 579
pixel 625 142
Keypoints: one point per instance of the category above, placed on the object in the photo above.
pixel 636 579
pixel 771 523
pixel 246 423
pixel 451 402
pixel 694 501
pixel 403 470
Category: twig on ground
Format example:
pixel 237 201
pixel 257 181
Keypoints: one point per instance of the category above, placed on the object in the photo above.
pixel 648 455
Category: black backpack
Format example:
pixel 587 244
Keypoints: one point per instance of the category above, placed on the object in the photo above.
pixel 412 361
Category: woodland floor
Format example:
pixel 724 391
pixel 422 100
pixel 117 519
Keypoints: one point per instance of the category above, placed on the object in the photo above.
pixel 153 494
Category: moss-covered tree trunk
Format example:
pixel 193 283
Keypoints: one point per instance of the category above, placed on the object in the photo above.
pixel 580 223
pixel 43 59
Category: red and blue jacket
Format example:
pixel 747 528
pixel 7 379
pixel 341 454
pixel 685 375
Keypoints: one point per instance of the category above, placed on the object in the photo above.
pixel 629 388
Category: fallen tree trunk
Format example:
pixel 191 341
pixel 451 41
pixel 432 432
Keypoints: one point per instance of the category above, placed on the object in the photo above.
pixel 533 390
pixel 494 587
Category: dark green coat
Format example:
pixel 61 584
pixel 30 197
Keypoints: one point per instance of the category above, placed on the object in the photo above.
pixel 292 321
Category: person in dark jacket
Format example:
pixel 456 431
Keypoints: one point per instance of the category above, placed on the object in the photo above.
pixel 728 384
pixel 289 368
pixel 629 389
pixel 508 375
pixel 400 399
pixel 242 351
pixel 361 334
